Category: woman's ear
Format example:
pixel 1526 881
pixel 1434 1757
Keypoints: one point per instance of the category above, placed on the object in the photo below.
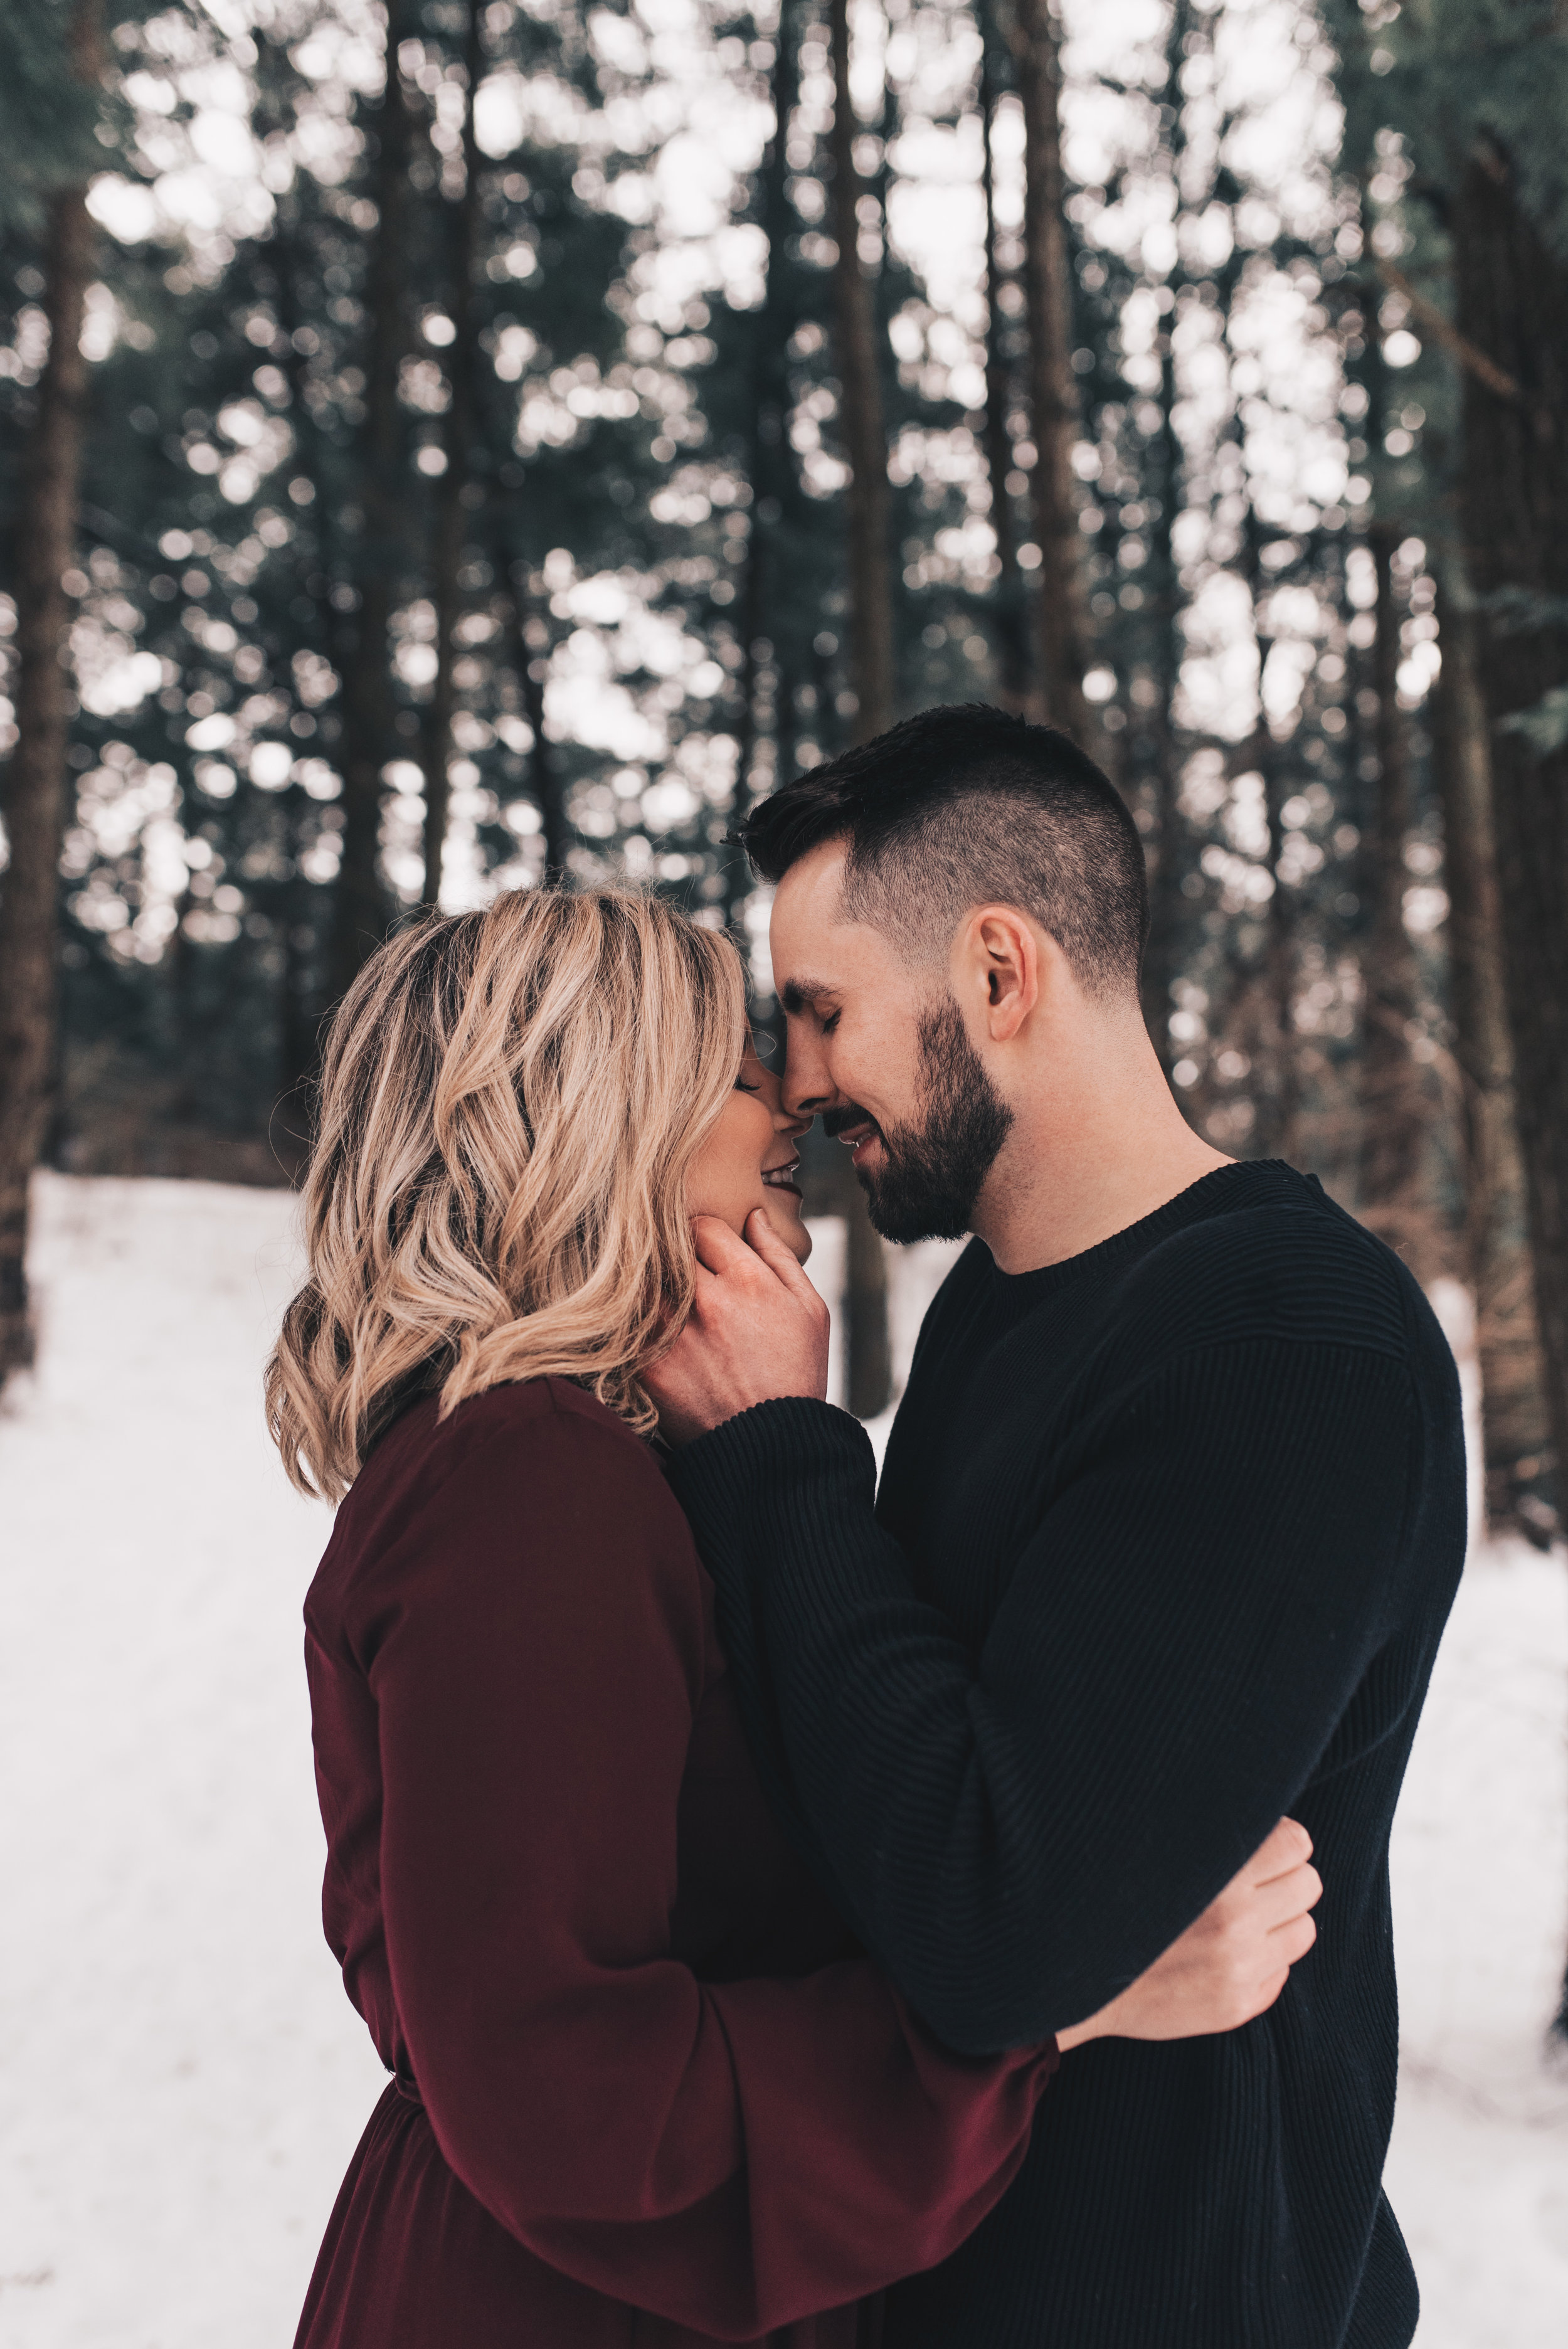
pixel 999 957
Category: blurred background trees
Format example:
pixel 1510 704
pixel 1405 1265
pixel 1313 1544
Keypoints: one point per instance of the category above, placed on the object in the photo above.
pixel 445 444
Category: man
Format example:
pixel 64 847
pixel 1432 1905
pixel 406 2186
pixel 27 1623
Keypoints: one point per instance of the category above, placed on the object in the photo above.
pixel 1171 1517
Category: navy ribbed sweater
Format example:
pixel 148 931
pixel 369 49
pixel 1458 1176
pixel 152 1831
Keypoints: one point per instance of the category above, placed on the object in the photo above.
pixel 1166 1538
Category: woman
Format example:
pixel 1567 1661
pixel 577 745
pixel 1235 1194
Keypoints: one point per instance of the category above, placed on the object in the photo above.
pixel 643 2090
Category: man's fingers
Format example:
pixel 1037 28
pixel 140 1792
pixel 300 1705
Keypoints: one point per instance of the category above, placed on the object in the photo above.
pixel 719 1248
pixel 761 1237
pixel 1285 1849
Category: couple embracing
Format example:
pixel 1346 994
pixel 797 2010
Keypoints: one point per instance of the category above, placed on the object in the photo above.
pixel 798 1910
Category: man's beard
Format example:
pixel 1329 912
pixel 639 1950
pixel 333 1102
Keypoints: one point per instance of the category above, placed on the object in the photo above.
pixel 931 1174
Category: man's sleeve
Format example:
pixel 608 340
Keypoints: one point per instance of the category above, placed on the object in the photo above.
pixel 1017 1833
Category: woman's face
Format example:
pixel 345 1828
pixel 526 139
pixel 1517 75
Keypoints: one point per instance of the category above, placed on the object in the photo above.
pixel 749 1160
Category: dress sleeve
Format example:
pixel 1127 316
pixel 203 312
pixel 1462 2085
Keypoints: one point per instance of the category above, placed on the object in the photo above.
pixel 1017 1830
pixel 729 2157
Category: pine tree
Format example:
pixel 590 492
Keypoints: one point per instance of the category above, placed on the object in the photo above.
pixel 1474 92
pixel 1511 303
pixel 1516 1437
pixel 1010 617
pixel 1165 839
pixel 1063 641
pixel 360 904
pixel 55 61
pixel 860 417
pixel 456 490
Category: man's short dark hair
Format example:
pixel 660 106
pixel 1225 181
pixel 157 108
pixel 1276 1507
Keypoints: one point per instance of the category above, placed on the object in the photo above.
pixel 965 806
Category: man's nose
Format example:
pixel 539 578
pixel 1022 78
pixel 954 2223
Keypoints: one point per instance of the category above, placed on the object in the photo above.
pixel 808 1089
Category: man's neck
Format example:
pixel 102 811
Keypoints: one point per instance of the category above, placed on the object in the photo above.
pixel 1095 1158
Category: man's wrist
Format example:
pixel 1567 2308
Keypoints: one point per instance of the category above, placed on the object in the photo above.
pixel 736 1465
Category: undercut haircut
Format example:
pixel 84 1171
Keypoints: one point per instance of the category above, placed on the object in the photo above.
pixel 966 806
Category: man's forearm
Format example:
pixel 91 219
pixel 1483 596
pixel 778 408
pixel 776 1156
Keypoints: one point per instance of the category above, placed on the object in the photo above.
pixel 1017 1835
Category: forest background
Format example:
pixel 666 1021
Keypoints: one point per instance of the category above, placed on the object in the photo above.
pixel 445 444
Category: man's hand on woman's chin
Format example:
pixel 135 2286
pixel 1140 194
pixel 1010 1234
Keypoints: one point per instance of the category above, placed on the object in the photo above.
pixel 757 1330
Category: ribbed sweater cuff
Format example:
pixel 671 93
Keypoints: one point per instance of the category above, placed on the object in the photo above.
pixel 749 1462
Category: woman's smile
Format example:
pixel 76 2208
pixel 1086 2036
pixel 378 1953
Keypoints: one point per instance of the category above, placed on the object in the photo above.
pixel 750 1160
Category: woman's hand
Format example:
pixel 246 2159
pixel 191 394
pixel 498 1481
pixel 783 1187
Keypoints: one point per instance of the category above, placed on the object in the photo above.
pixel 1230 1964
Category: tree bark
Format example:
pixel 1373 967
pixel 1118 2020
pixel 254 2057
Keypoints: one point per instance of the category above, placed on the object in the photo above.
pixel 871 646
pixel 451 511
pixel 1516 1438
pixel 1275 1051
pixel 1061 605
pixel 769 463
pixel 36 793
pixel 1166 848
pixel 861 419
pixel 867 1350
pixel 359 906
pixel 1012 621
pixel 1278 1101
pixel 546 783
pixel 1511 303
pixel 1168 845
pixel 1393 1095
pixel 299 1011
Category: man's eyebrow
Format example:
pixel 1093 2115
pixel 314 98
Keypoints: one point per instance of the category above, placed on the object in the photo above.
pixel 805 994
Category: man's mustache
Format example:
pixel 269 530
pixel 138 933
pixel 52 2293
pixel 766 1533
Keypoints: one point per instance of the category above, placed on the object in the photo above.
pixel 839 1121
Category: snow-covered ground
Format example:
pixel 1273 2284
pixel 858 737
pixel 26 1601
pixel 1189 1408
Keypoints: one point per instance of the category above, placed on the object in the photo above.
pixel 182 2080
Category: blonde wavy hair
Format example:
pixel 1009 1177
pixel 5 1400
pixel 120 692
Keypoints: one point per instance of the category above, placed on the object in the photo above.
pixel 511 1102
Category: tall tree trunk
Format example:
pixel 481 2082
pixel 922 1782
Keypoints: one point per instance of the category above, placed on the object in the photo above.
pixel 1516 1437
pixel 860 419
pixel 546 783
pixel 36 791
pixel 1511 304
pixel 1277 1101
pixel 1393 1095
pixel 769 462
pixel 299 1009
pixel 359 907
pixel 1167 845
pixel 451 511
pixel 871 648
pixel 1012 620
pixel 1061 605
pixel 866 1345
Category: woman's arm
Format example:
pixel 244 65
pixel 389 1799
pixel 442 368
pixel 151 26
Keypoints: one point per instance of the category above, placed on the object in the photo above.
pixel 1231 1962
pixel 731 2158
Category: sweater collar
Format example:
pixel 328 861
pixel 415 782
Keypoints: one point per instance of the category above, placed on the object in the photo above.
pixel 1249 1183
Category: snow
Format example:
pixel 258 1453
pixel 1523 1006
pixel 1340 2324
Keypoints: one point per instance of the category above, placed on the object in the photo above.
pixel 1477 2173
pixel 182 2080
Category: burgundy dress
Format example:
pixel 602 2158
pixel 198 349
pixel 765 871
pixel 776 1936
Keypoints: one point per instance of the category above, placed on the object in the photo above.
pixel 640 2094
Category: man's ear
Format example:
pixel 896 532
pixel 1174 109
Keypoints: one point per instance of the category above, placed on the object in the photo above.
pixel 998 972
